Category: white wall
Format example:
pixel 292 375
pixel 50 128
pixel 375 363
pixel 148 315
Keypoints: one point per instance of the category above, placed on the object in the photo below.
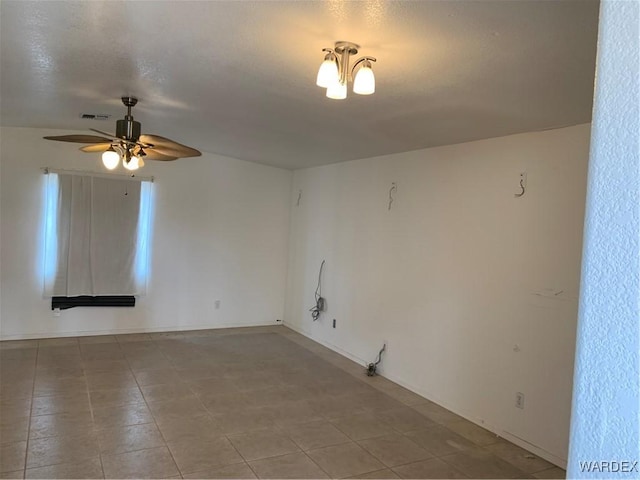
pixel 220 232
pixel 605 423
pixel 456 275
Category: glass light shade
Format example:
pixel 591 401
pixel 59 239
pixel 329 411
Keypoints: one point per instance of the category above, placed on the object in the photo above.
pixel 140 155
pixel 365 82
pixel 328 72
pixel 337 91
pixel 132 164
pixel 110 158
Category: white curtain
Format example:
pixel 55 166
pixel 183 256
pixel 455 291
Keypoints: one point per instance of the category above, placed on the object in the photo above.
pixel 97 247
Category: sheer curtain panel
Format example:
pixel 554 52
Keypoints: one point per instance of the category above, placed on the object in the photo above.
pixel 97 226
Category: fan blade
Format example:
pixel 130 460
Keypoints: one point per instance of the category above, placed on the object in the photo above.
pixel 151 154
pixel 79 139
pixel 169 152
pixel 96 147
pixel 169 147
pixel 113 136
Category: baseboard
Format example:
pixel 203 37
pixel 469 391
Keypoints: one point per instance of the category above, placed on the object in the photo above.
pixel 329 345
pixel 540 452
pixel 122 331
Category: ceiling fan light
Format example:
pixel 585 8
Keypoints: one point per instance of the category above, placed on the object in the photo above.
pixel 110 158
pixel 132 164
pixel 337 91
pixel 328 72
pixel 365 81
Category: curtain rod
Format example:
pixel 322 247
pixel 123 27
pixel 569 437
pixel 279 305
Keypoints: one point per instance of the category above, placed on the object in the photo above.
pixel 132 177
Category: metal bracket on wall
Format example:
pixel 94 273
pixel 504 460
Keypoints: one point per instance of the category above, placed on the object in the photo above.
pixel 523 185
pixel 392 190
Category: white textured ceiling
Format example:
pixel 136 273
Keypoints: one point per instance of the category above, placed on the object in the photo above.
pixel 238 77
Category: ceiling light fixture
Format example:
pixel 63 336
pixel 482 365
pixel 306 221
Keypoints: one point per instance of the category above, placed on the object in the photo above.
pixel 132 162
pixel 334 73
pixel 131 156
pixel 127 148
pixel 110 158
pixel 128 144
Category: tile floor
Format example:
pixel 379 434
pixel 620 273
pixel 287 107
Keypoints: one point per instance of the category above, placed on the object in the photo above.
pixel 259 402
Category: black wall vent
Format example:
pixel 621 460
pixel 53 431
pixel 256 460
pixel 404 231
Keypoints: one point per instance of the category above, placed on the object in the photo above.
pixel 95 116
pixel 64 303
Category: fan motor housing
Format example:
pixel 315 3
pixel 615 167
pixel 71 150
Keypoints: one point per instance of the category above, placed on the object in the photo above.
pixel 128 129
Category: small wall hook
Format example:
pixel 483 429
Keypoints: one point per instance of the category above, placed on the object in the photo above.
pixel 523 184
pixel 392 190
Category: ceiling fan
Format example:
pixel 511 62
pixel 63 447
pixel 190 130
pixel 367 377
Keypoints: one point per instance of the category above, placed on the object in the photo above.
pixel 128 144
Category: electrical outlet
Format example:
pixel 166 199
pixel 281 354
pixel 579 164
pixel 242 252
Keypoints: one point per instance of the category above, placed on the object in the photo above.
pixel 519 400
pixel 322 304
pixel 216 304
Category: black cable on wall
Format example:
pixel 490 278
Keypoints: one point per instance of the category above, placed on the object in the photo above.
pixel 320 301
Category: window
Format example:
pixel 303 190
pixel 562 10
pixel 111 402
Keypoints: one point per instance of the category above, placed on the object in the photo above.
pixel 97 235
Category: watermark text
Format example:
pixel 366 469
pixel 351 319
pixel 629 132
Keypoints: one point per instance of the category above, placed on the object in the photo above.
pixel 609 467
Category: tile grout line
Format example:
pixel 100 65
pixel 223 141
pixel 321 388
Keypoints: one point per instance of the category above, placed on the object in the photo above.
pixel 210 416
pixel 443 458
pixel 484 447
pixel 325 419
pixel 166 444
pixel 246 462
pixel 48 414
pixel 173 366
pixel 316 463
pixel 91 410
pixel 302 450
pixel 226 436
pixel 222 466
pixel 33 391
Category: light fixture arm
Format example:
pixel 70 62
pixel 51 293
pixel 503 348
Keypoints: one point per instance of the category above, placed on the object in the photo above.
pixel 119 147
pixel 360 61
pixel 333 56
